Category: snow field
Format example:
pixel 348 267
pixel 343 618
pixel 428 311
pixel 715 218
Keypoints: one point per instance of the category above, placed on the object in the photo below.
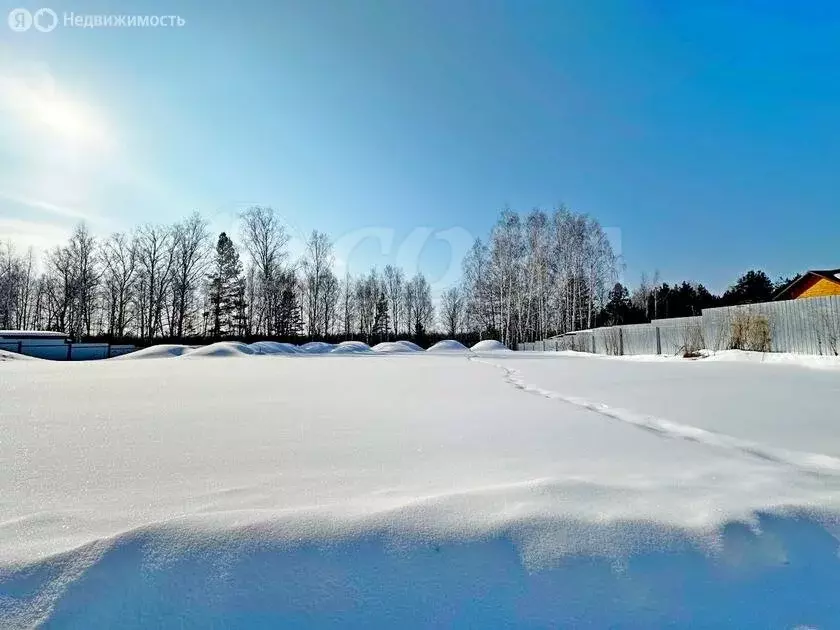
pixel 507 491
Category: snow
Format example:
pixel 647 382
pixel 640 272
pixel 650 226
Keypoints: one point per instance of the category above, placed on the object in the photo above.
pixel 274 347
pixel 775 358
pixel 500 490
pixel 410 345
pixel 351 347
pixel 490 345
pixel 6 355
pixel 160 351
pixel 448 345
pixel 316 347
pixel 31 333
pixel 222 349
pixel 392 347
pixel 742 356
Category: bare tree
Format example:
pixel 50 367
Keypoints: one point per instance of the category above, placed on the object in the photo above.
pixel 265 239
pixel 191 243
pixel 156 259
pixel 452 310
pixel 119 256
pixel 82 250
pixel 423 311
pixel 317 267
pixel 394 281
pixel 16 286
pixel 348 305
pixel 367 293
pixel 330 293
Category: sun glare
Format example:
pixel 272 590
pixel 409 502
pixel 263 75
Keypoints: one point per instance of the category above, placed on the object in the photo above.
pixel 58 117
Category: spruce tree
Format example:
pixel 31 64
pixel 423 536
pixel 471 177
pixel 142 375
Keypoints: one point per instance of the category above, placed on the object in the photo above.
pixel 381 320
pixel 227 290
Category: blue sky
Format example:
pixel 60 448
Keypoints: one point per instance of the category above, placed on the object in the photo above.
pixel 704 134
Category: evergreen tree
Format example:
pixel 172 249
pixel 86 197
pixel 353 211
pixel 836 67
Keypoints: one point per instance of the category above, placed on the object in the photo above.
pixel 753 286
pixel 381 320
pixel 227 290
pixel 620 308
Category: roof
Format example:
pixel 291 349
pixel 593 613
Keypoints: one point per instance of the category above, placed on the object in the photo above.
pixel 832 275
pixel 32 334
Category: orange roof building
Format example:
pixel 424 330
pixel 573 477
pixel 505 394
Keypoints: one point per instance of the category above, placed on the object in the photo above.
pixel 813 283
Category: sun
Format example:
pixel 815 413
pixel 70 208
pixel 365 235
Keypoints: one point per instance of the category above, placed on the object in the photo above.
pixel 56 116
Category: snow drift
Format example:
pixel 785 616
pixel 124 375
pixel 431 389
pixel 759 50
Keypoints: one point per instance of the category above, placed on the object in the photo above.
pixel 490 345
pixel 394 347
pixel 274 347
pixel 351 347
pixel 160 351
pixel 505 491
pixel 7 355
pixel 448 345
pixel 222 349
pixel 316 347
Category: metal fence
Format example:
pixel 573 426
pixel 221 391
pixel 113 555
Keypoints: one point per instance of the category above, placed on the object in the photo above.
pixel 66 351
pixel 806 326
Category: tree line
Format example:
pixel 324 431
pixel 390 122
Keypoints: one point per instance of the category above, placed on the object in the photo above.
pixel 536 274
pixel 653 299
pixel 179 282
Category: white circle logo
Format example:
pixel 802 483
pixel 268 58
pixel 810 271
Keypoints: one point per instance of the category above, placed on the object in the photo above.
pixel 20 20
pixel 45 20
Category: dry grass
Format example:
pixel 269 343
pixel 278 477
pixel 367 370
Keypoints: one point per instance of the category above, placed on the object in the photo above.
pixel 750 332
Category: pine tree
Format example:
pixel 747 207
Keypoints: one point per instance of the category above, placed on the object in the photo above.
pixel 381 320
pixel 227 290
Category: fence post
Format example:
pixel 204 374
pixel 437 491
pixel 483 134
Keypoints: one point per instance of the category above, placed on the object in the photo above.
pixel 20 347
pixel 620 342
pixel 69 351
pixel 593 342
pixel 658 341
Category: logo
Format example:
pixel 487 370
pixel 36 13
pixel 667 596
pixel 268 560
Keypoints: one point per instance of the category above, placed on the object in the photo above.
pixel 20 20
pixel 44 20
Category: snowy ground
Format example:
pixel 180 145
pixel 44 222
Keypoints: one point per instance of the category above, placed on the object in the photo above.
pixel 390 489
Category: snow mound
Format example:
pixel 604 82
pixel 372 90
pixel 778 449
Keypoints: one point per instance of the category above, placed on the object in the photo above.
pixel 160 351
pixel 316 347
pixel 490 345
pixel 351 347
pixel 273 347
pixel 774 358
pixel 6 355
pixel 393 347
pixel 411 346
pixel 223 349
pixel 448 345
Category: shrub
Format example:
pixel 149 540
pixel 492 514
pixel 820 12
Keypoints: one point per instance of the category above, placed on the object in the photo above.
pixel 750 332
pixel 692 338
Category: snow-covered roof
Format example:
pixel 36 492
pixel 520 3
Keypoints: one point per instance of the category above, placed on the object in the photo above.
pixel 31 334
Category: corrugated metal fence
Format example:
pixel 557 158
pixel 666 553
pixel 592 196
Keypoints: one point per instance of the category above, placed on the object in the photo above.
pixel 807 326
pixel 66 351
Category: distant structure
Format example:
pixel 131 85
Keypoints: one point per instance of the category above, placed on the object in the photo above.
pixel 812 283
pixel 57 346
pixel 36 343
